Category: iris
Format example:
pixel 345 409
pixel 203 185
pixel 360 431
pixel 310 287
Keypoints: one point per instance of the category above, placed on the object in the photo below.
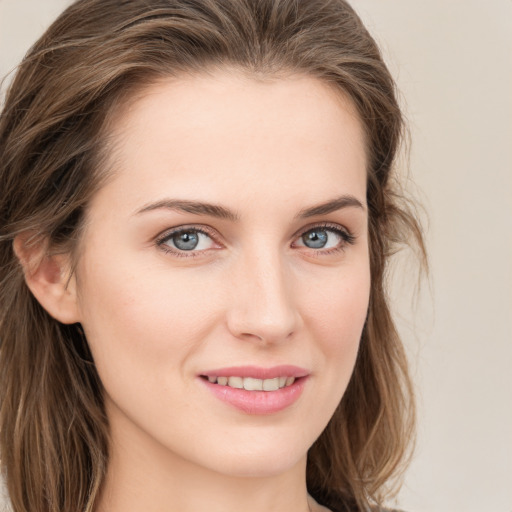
pixel 186 240
pixel 315 239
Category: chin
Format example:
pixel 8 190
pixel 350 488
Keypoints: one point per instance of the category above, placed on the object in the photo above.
pixel 272 458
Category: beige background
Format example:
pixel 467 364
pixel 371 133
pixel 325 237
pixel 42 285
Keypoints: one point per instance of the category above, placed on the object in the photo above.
pixel 453 63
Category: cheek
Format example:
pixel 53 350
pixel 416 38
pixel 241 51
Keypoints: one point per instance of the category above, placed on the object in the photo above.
pixel 339 306
pixel 337 317
pixel 137 321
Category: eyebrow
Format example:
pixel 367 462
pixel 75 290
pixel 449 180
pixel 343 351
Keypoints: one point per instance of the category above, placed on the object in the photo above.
pixel 339 203
pixel 214 210
pixel 194 207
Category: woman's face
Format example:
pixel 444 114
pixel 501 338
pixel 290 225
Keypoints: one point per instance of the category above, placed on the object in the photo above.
pixel 229 249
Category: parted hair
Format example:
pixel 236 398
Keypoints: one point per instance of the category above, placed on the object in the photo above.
pixel 54 144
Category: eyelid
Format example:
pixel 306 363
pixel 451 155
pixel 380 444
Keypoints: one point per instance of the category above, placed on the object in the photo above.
pixel 324 225
pixel 168 233
pixel 348 237
pixel 185 227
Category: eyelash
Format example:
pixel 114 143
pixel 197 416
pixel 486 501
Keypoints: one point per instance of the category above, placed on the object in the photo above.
pixel 346 237
pixel 182 229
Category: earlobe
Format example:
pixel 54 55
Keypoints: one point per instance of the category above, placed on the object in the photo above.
pixel 49 278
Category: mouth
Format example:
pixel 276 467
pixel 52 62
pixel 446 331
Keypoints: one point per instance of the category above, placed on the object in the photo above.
pixel 254 390
pixel 250 383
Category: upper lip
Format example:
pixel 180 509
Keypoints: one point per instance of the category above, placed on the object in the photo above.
pixel 257 372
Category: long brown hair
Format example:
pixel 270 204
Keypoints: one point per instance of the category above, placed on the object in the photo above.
pixel 53 143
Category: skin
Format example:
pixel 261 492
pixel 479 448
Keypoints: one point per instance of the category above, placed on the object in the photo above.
pixel 252 294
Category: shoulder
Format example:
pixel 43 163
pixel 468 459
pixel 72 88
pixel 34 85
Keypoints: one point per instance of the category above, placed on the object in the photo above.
pixel 378 509
pixel 333 502
pixel 4 498
pixel 343 508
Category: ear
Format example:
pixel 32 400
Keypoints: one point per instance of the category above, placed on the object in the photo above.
pixel 49 278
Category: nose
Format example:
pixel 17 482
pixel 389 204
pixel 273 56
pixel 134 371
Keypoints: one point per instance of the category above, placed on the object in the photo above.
pixel 262 303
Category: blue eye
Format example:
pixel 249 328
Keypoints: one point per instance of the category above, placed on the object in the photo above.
pixel 186 240
pixel 325 237
pixel 316 238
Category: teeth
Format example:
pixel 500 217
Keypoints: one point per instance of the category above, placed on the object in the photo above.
pixel 236 382
pixel 251 384
pixel 271 384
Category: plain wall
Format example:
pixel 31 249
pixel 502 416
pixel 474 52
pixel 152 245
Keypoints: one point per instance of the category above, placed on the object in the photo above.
pixel 453 63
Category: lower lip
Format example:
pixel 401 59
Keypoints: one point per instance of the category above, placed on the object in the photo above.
pixel 258 402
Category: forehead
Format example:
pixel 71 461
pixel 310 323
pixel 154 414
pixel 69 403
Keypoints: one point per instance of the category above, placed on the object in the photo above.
pixel 227 132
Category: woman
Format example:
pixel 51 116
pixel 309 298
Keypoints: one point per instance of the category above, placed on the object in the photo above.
pixel 197 212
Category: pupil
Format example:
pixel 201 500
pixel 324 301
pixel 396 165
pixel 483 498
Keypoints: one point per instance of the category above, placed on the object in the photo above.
pixel 186 241
pixel 315 239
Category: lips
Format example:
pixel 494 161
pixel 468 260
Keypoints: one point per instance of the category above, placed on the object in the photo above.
pixel 252 384
pixel 257 372
pixel 255 390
